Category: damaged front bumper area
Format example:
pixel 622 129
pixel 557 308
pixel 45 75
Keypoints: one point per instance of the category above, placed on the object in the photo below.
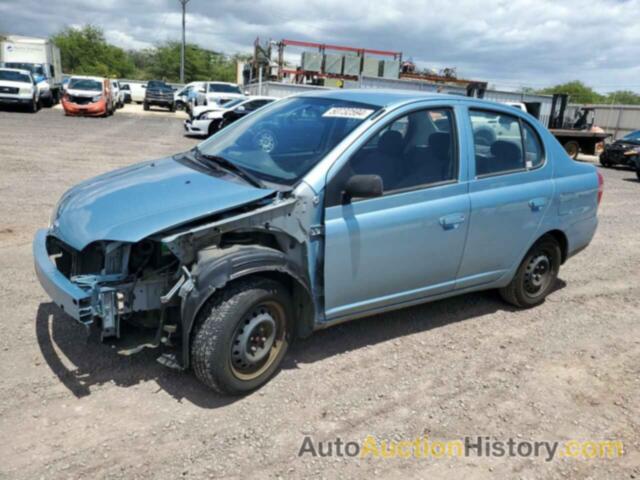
pixel 110 295
pixel 75 301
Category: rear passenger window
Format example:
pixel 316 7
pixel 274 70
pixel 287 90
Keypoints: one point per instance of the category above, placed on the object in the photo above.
pixel 497 142
pixel 534 156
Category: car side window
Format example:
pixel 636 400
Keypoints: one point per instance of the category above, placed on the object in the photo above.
pixel 415 150
pixel 497 142
pixel 534 155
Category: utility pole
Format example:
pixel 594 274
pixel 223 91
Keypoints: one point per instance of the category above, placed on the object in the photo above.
pixel 184 11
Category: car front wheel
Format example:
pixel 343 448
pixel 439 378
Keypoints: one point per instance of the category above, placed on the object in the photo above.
pixel 536 275
pixel 242 335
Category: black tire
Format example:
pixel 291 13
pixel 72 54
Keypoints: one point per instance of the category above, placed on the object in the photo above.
pixel 145 106
pixel 172 108
pixel 33 106
pixel 222 328
pixel 214 126
pixel 604 162
pixel 638 173
pixel 572 148
pixel 536 275
pixel 180 105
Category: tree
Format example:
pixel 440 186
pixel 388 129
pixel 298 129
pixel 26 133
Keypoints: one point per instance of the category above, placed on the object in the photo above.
pixel 578 92
pixel 623 97
pixel 199 64
pixel 85 51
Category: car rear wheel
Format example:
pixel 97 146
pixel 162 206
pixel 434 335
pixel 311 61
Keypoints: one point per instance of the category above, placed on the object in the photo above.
pixel 242 336
pixel 638 173
pixel 145 106
pixel 536 275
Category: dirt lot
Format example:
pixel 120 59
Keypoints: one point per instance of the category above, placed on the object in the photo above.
pixel 469 366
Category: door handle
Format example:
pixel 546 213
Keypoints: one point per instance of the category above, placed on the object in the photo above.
pixel 536 204
pixel 453 221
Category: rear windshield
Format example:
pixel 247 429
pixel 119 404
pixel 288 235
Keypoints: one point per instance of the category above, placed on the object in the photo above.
pixel 222 88
pixel 14 76
pixel 84 84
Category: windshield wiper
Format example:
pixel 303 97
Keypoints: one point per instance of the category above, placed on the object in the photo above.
pixel 231 167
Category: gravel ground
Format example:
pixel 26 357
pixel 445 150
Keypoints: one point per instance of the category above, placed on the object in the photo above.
pixel 468 366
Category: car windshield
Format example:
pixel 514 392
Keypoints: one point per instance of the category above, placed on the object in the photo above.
pixel 84 84
pixel 14 76
pixel 633 136
pixel 223 88
pixel 159 85
pixel 34 68
pixel 283 141
pixel 233 103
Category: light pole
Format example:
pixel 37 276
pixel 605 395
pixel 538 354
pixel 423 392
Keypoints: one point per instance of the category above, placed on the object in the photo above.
pixel 184 11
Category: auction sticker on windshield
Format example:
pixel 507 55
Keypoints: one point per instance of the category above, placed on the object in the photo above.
pixel 348 112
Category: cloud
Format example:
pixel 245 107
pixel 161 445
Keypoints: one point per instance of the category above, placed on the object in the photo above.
pixel 509 43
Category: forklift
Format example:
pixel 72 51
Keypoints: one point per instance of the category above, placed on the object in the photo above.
pixel 575 134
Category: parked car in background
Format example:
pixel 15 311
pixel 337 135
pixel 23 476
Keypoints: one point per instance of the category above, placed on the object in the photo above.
pixel 118 94
pixel 624 151
pixel 159 94
pixel 41 57
pixel 138 91
pixel 210 121
pixel 90 96
pixel 354 202
pixel 218 93
pixel 18 87
pixel 183 96
pixel 126 92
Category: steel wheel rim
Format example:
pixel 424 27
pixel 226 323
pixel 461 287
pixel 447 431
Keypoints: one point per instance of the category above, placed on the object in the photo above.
pixel 538 274
pixel 257 340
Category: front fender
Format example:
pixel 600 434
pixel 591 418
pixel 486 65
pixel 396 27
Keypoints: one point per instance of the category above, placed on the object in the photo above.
pixel 215 267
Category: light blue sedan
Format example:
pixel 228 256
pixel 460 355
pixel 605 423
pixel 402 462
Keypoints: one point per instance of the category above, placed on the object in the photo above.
pixel 311 211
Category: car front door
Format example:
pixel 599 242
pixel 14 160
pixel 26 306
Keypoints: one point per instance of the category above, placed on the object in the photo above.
pixel 509 190
pixel 406 244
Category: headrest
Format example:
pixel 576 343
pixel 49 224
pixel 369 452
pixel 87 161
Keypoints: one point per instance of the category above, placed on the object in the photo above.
pixel 390 142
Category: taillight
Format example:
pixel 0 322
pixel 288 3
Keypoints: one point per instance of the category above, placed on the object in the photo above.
pixel 600 187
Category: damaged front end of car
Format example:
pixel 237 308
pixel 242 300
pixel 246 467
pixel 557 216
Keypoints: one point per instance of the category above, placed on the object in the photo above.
pixel 159 284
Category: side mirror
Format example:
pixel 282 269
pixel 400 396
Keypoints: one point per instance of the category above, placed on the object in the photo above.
pixel 241 109
pixel 362 186
pixel 202 90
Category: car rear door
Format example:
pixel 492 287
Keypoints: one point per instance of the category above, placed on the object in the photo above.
pixel 509 192
pixel 406 244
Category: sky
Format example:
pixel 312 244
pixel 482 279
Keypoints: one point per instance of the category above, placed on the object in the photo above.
pixel 510 44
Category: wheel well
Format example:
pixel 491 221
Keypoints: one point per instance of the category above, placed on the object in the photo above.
pixel 561 238
pixel 300 298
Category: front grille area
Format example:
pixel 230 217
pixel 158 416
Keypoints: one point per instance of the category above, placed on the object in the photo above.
pixel 12 90
pixel 80 100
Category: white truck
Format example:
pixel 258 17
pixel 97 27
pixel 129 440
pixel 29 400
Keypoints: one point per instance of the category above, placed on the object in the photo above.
pixel 38 55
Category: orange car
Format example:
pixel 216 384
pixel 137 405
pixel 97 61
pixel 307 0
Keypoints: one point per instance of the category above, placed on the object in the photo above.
pixel 91 96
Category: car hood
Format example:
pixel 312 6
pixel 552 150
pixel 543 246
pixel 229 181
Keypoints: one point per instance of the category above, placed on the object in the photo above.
pixel 83 93
pixel 10 83
pixel 132 203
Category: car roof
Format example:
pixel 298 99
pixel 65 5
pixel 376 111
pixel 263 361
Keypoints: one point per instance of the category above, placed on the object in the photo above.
pixel 391 97
pixel 224 83
pixel 258 97
pixel 87 77
pixel 19 70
